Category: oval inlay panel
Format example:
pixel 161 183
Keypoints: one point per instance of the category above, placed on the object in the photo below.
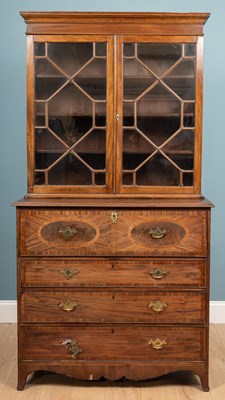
pixel 173 233
pixel 68 233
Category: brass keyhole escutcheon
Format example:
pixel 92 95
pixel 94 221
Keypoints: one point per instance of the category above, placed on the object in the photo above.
pixel 114 216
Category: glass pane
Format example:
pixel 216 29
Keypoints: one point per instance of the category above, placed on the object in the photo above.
pixel 183 142
pixel 158 114
pixel 95 161
pixel 92 79
pixel 100 179
pixel 70 129
pixel 48 79
pixel 159 101
pixel 188 179
pixel 45 160
pixel 183 161
pixel 39 178
pixel 39 49
pixel 129 49
pixel 134 142
pixel 159 57
pixel 100 114
pixel 94 142
pixel 128 179
pixel 70 57
pixel 190 50
pixel 70 113
pixel 76 103
pixel 128 114
pixel 182 79
pixel 39 110
pixel 100 121
pixel 133 85
pixel 69 171
pixel 158 172
pixel 189 115
pixel 158 129
pixel 100 49
pixel 45 142
pixel 133 160
pixel 47 149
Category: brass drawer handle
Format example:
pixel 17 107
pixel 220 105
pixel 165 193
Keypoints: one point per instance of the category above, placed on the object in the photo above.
pixel 157 343
pixel 68 233
pixel 68 305
pixel 72 345
pixel 158 306
pixel 68 273
pixel 114 216
pixel 157 233
pixel 158 273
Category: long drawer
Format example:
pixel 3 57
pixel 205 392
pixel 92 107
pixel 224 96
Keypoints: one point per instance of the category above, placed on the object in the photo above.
pixel 96 232
pixel 73 272
pixel 77 343
pixel 113 306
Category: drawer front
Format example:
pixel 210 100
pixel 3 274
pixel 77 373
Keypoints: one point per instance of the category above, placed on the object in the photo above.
pixel 113 306
pixel 65 232
pixel 133 232
pixel 74 344
pixel 108 272
pixel 162 232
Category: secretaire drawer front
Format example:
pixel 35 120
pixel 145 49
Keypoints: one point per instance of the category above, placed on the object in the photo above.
pixel 113 306
pixel 162 232
pixel 112 343
pixel 98 233
pixel 73 272
pixel 65 232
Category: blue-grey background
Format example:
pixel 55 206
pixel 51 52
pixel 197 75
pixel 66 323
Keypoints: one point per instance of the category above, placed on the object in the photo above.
pixel 13 118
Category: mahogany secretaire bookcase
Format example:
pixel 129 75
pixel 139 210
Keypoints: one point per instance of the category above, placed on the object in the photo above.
pixel 113 234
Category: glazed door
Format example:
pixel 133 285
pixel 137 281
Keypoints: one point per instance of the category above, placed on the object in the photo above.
pixel 159 128
pixel 72 110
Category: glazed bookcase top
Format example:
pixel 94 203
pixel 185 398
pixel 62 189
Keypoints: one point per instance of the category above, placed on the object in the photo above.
pixel 114 103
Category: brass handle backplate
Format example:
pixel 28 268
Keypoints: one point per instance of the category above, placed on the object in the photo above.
pixel 158 273
pixel 157 233
pixel 157 343
pixel 114 216
pixel 68 305
pixel 72 345
pixel 158 306
pixel 68 273
pixel 68 232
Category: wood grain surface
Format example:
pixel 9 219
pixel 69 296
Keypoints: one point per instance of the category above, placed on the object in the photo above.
pixel 112 272
pixel 117 306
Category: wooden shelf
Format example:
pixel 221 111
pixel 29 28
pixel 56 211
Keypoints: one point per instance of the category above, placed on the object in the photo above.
pixel 86 79
pixel 168 152
pixel 132 77
pixel 43 151
pixel 165 115
pixel 137 153
pixel 169 115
